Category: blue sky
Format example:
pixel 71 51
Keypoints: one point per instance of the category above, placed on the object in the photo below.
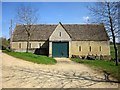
pixel 48 13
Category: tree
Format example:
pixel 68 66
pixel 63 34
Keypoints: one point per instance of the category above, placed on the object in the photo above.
pixel 27 16
pixel 4 43
pixel 107 13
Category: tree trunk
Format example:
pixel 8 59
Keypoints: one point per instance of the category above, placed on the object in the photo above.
pixel 114 43
pixel 27 45
pixel 115 48
pixel 113 35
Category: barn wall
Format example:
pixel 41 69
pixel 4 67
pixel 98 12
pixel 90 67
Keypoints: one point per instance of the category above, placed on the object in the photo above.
pixel 59 34
pixel 95 48
pixel 34 45
pixel 73 47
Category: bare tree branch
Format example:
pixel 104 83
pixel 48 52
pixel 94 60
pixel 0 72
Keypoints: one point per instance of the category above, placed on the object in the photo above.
pixel 107 13
pixel 27 16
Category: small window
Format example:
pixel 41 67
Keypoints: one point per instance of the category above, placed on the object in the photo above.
pixel 39 45
pixel 19 45
pixel 90 48
pixel 79 48
pixel 60 34
pixel 100 48
pixel 29 45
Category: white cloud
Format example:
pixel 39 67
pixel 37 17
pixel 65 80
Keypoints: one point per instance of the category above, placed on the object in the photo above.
pixel 86 19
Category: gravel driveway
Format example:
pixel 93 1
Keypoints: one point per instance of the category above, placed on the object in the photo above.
pixel 17 73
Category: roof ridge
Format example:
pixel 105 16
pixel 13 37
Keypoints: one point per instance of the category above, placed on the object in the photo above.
pixel 57 24
pixel 36 24
pixel 80 24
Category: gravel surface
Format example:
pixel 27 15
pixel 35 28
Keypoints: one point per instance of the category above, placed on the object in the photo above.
pixel 17 73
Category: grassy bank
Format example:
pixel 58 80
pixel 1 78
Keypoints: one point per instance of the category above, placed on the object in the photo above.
pixel 40 59
pixel 101 65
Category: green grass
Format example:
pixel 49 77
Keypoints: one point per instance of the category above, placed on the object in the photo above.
pixel 112 51
pixel 118 51
pixel 40 59
pixel 101 65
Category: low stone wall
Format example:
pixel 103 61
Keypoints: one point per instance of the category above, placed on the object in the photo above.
pixel 93 57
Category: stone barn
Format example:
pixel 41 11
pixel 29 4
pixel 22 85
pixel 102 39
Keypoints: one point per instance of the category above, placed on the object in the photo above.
pixel 63 40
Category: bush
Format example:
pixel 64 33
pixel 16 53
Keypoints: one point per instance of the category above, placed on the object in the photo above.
pixel 3 48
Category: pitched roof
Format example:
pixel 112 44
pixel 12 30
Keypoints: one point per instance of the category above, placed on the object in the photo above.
pixel 87 32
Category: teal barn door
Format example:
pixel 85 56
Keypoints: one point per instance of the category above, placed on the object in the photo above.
pixel 60 49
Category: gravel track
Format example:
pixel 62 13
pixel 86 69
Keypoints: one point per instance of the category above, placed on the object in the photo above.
pixel 17 73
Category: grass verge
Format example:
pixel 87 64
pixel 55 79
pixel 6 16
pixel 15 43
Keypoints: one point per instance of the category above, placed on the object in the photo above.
pixel 101 65
pixel 112 51
pixel 39 59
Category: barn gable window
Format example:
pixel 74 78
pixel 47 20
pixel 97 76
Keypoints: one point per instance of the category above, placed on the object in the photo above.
pixel 60 34
pixel 19 45
pixel 90 48
pixel 79 48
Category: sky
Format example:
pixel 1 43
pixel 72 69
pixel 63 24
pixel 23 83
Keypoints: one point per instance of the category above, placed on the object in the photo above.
pixel 48 13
